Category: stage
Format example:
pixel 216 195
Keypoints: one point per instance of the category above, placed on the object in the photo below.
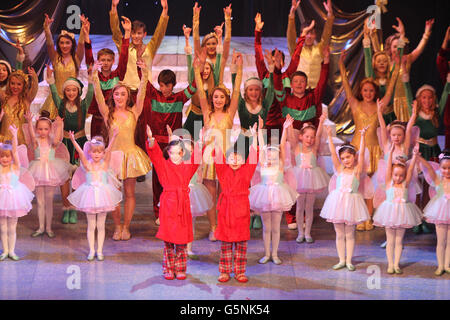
pixel 48 268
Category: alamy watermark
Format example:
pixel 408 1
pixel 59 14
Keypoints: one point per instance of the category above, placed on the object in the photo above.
pixel 73 21
pixel 374 20
pixel 374 280
pixel 73 281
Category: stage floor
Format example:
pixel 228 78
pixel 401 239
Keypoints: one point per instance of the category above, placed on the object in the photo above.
pixel 133 269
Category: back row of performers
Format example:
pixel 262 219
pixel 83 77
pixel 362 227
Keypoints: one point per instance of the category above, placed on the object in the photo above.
pixel 297 91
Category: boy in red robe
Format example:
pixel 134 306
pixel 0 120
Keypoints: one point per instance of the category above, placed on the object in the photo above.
pixel 233 217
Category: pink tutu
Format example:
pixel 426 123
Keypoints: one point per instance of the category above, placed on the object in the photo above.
pixel 200 198
pixel 51 173
pixel 96 196
pixel 397 215
pixel 272 194
pixel 15 198
pixel 437 210
pixel 311 180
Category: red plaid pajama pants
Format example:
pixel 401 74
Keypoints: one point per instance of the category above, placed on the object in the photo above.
pixel 226 257
pixel 174 262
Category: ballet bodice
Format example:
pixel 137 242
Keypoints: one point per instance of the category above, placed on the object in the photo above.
pixel 44 153
pixel 363 120
pixel 271 175
pixel 397 194
pixel 443 189
pixel 347 183
pixel 97 177
pixel 306 160
pixel 125 137
pixel 8 180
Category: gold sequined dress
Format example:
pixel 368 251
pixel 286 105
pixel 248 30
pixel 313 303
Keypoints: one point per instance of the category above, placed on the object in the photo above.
pixel 13 115
pixel 61 72
pixel 135 161
pixel 220 128
pixel 363 120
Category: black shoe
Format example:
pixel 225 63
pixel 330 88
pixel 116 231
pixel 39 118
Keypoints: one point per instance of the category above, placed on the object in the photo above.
pixel 140 179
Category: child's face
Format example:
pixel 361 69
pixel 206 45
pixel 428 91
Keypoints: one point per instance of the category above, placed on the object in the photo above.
pixel 235 161
pixel 426 99
pixel 211 46
pixel 381 63
pixel 397 135
pixel 120 96
pixel 176 154
pixel 445 168
pixel 206 71
pixel 368 92
pixel 137 36
pixel 273 156
pixel 3 72
pixel 71 92
pixel 97 153
pixel 5 158
pixel 308 137
pixel 107 61
pixel 43 128
pixel 253 93
pixel 65 45
pixel 219 100
pixel 348 159
pixel 166 89
pixel 16 85
pixel 398 174
pixel 298 85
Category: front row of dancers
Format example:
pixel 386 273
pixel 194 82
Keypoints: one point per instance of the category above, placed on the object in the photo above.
pixel 97 192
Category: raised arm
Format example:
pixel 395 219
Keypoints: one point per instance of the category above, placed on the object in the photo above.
pixel 392 81
pixel 423 42
pixel 334 155
pixel 204 105
pixel 430 170
pixel 123 54
pixel 20 57
pixel 34 85
pixel 79 54
pixel 411 122
pixel 319 90
pixel 195 28
pixel 29 118
pixel 286 126
pixel 146 73
pixel 383 130
pixel 81 154
pixel 237 88
pixel 114 24
pixel 51 81
pixel 317 141
pixel 261 142
pixel 444 96
pixel 102 107
pixel 412 165
pixel 160 30
pixel 368 68
pixel 52 54
pixel 347 88
pixel 295 57
pixel 328 28
pixel 389 165
pixel 59 123
pixel 259 59
pixel 291 32
pixel 15 155
pixel 227 40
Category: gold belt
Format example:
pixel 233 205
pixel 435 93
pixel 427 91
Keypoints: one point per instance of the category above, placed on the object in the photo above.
pixel 429 142
pixel 195 109
pixel 77 135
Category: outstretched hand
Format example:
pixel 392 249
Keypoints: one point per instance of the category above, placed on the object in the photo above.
pixel 288 122
pixel 258 22
pixel 149 132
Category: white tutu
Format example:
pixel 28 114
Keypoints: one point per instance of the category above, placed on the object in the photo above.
pixel 345 207
pixel 437 210
pixel 311 180
pixel 200 199
pixel 272 194
pixel 51 173
pixel 397 215
pixel 95 196
pixel 15 199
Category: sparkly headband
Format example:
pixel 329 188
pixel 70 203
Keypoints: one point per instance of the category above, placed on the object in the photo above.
pixel 97 142
pixel 66 33
pixel 346 146
pixel 397 125
pixel 307 125
pixel 272 147
pixel 45 118
pixel 443 156
pixel 5 146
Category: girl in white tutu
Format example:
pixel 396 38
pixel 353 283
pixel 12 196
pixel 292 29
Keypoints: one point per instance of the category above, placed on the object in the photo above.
pixel 437 210
pixel 97 196
pixel 397 212
pixel 311 179
pixel 345 206
pixel 272 196
pixel 47 170
pixel 15 197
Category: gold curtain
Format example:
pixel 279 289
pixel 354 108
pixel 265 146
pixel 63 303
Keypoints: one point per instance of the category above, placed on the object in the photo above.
pixel 347 35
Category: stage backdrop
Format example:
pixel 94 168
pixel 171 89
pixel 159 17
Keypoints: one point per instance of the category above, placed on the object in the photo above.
pixel 23 20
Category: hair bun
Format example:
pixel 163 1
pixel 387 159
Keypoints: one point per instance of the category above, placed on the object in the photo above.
pixel 45 114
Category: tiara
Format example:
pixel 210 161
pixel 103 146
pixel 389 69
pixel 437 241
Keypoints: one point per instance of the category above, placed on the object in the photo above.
pixel 346 146
pixel 443 156
pixel 97 142
pixel 5 146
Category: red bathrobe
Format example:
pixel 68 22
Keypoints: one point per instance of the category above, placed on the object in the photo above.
pixel 233 217
pixel 175 210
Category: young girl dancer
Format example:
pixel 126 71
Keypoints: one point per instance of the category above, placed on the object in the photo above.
pixel 311 179
pixel 73 110
pixel 233 217
pixel 15 197
pixel 397 213
pixel 345 206
pixel 175 213
pixel 47 170
pixel 121 112
pixel 272 196
pixel 437 210
pixel 96 197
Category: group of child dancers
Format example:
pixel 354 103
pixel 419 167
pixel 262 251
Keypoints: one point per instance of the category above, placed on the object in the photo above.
pixel 256 172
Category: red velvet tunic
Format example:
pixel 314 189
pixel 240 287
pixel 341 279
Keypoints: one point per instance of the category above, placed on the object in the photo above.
pixel 174 204
pixel 233 218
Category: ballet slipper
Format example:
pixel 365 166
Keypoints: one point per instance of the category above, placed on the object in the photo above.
pixel 338 266
pixel 264 260
pixel 398 270
pixel 276 260
pixel 37 233
pixel 50 234
pixel 100 257
pixel 390 270
pixel 439 272
pixel 91 257
pixel 300 239
pixel 224 277
pixel 3 256
pixel 309 240
pixel 350 267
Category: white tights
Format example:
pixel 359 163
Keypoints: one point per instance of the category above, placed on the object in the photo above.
pixel 345 241
pixel 394 246
pixel 443 246
pixel 96 221
pixel 271 231
pixel 8 228
pixel 44 196
pixel 189 245
pixel 305 213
